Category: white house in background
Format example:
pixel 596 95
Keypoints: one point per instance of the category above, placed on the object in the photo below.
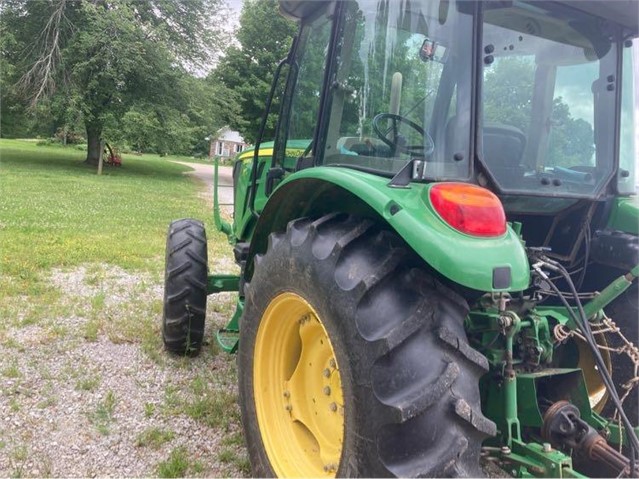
pixel 226 143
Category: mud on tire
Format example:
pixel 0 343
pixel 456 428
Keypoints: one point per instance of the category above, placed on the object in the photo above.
pixel 185 280
pixel 409 377
pixel 624 311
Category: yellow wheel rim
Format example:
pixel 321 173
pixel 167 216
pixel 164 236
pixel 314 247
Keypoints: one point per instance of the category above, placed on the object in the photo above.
pixel 597 393
pixel 298 390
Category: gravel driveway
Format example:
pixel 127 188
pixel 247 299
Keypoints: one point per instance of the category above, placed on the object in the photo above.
pixel 204 174
pixel 88 391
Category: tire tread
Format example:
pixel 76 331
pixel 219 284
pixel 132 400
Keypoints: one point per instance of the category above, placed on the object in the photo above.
pixel 185 287
pixel 353 262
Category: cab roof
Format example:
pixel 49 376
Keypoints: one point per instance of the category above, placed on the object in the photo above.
pixel 623 12
pixel 299 9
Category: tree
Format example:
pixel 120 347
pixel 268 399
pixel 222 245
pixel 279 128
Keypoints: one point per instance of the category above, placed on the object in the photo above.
pixel 211 106
pixel 109 55
pixel 264 38
pixel 13 117
pixel 571 141
pixel 176 127
pixel 508 92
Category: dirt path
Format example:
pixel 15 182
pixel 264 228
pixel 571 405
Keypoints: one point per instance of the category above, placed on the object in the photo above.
pixel 204 174
pixel 89 391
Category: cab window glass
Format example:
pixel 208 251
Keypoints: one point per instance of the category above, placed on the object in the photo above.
pixel 629 141
pixel 309 69
pixel 548 89
pixel 402 88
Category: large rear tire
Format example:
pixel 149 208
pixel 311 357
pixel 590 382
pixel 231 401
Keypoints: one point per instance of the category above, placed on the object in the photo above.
pixel 353 360
pixel 185 280
pixel 624 311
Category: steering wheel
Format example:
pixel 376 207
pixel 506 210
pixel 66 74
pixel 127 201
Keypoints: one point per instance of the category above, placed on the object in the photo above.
pixel 396 143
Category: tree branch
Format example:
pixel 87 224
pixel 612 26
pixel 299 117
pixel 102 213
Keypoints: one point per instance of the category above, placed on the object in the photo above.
pixel 39 80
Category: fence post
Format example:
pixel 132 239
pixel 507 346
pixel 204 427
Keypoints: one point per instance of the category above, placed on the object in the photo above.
pixel 101 157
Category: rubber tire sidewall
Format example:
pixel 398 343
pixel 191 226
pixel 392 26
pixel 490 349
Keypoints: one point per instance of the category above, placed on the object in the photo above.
pixel 285 269
pixel 186 336
pixel 624 312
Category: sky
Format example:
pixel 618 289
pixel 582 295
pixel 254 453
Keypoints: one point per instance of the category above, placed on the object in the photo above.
pixel 236 7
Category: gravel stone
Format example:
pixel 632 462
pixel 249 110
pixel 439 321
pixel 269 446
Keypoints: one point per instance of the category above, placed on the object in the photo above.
pixel 70 407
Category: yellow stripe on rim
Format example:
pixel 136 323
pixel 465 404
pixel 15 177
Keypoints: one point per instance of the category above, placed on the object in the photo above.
pixel 298 390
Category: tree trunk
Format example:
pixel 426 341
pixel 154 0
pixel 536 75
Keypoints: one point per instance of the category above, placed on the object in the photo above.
pixel 94 131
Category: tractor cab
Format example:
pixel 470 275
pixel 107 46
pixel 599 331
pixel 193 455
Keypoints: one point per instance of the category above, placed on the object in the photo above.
pixel 527 99
pixel 536 102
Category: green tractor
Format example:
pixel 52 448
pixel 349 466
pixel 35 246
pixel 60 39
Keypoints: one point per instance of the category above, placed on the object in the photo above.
pixel 438 247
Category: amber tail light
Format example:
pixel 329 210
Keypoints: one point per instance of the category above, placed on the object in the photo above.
pixel 469 209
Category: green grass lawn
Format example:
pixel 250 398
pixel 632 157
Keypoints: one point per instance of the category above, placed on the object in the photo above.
pixel 57 212
pixel 81 264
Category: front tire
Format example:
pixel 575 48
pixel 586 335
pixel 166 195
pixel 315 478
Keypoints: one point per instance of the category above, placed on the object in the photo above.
pixel 185 278
pixel 354 362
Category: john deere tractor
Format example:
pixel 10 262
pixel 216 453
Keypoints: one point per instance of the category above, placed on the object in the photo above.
pixel 438 246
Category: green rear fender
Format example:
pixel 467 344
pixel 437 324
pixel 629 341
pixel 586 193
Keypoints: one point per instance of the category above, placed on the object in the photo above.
pixel 466 260
pixel 625 215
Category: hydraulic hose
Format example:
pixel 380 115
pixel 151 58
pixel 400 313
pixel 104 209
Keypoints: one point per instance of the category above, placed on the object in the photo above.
pixel 582 321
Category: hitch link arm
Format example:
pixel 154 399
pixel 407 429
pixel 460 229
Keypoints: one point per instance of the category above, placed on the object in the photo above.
pixel 610 293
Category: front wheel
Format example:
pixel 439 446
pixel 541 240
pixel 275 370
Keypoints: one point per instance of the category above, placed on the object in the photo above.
pixel 354 362
pixel 185 278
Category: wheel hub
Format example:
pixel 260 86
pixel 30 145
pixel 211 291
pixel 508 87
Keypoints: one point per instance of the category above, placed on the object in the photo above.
pixel 298 391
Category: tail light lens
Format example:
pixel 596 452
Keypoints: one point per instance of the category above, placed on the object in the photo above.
pixel 469 208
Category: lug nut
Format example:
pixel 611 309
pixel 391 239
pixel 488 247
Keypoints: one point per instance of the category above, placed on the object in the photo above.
pixel 326 373
pixel 332 363
pixel 287 394
pixel 333 407
pixel 327 391
pixel 547 447
pixel 289 408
